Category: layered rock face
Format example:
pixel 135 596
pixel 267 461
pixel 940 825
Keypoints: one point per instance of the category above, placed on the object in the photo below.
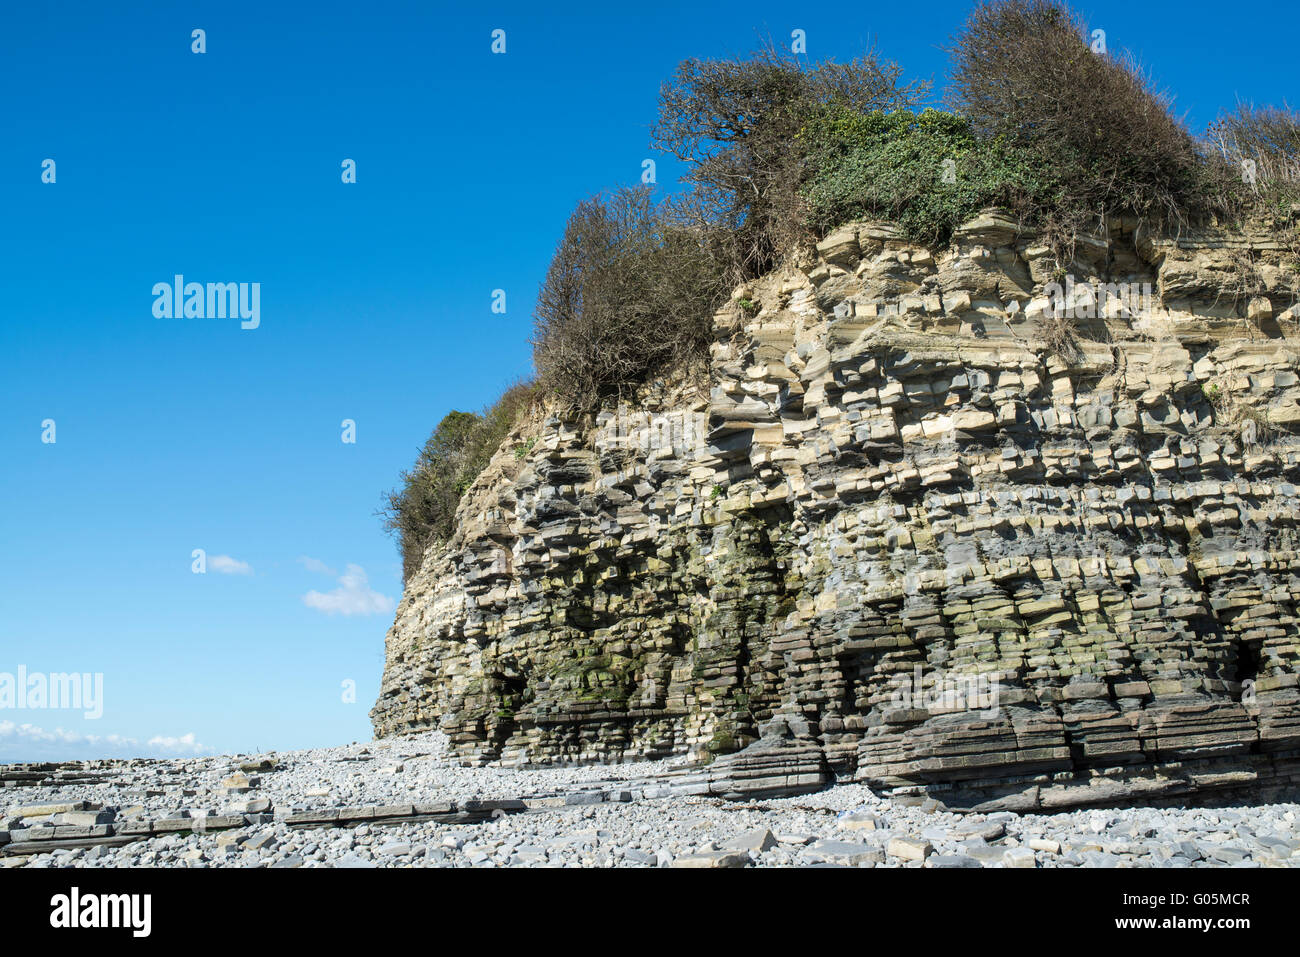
pixel 904 476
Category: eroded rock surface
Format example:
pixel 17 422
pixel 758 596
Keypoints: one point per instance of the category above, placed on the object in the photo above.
pixel 897 464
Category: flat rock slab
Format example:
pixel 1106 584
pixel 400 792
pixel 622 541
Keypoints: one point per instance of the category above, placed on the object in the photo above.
pixel 713 859
pixel 24 848
pixel 758 839
pixel 41 840
pixel 469 812
pixel 45 810
pixel 910 849
pixel 843 852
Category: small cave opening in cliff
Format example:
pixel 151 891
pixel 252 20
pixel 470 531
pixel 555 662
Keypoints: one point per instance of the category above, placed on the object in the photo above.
pixel 1248 660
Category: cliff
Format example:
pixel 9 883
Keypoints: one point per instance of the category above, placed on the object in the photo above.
pixel 899 465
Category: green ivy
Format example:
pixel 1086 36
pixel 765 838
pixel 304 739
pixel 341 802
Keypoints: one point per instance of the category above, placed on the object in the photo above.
pixel 892 166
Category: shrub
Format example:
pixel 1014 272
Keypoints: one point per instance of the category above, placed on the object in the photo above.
pixel 1270 138
pixel 892 166
pixel 422 510
pixel 1058 334
pixel 1022 70
pixel 631 291
pixel 733 122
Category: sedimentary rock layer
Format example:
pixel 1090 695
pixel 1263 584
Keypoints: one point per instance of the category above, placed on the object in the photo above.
pixel 901 466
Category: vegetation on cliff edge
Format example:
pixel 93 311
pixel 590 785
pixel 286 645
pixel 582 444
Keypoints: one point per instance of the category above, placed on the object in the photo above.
pixel 422 510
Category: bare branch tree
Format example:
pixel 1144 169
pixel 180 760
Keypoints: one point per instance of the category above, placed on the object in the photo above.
pixel 631 291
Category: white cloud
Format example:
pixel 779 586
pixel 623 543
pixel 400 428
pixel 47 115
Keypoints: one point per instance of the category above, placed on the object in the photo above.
pixel 185 744
pixel 317 566
pixel 354 596
pixel 28 742
pixel 229 566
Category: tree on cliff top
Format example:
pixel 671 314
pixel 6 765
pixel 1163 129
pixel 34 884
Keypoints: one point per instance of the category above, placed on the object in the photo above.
pixel 1029 73
pixel 734 123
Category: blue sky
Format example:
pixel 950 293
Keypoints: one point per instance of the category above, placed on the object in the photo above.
pixel 179 434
